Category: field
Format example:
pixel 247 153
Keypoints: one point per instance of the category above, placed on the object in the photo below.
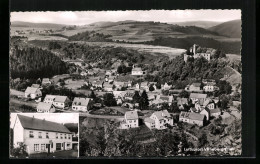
pixel 154 50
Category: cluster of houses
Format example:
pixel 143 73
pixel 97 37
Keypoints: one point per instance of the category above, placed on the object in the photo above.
pixel 193 50
pixel 158 120
pixel 207 85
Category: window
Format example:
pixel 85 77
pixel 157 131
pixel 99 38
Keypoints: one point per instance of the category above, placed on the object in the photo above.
pixel 57 136
pixel 31 134
pixel 42 146
pixel 40 135
pixel 69 136
pixel 61 137
pixel 36 147
pixel 65 136
pixel 47 135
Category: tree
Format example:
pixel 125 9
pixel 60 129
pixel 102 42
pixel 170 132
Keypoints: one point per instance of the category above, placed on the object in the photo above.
pixel 151 88
pixel 158 85
pixel 109 99
pixel 144 102
pixel 92 95
pixel 136 97
pixel 203 140
pixel 184 94
pixel 20 151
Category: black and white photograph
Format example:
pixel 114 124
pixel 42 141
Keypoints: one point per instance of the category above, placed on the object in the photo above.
pixel 142 83
pixel 44 135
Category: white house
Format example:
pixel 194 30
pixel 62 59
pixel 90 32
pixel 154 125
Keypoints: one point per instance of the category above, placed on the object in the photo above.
pixel 41 135
pixel 215 112
pixel 32 93
pixel 192 118
pixel 210 88
pixel 81 104
pixel 166 86
pixel 130 120
pixel 161 119
pixel 108 87
pixel 137 71
pixel 61 102
pixel 43 107
pixel 193 87
pixel 198 97
pixel 49 98
pixel 46 81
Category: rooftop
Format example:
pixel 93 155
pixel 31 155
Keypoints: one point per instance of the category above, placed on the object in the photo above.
pixel 38 124
pixel 131 115
pixel 198 95
pixel 31 90
pixel 44 106
pixel 81 101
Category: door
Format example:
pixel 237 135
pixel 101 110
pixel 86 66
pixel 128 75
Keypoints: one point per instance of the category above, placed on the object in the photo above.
pixel 58 146
pixel 48 148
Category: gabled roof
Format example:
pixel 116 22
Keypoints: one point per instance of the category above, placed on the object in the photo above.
pixel 131 115
pixel 35 86
pixel 216 110
pixel 198 95
pixel 148 119
pixel 196 116
pixel 145 83
pixel 162 114
pixel 31 90
pixel 60 99
pixel 38 124
pixel 196 84
pixel 44 106
pixel 181 101
pixel 81 101
pixel 137 69
pixel 45 80
pixel 50 97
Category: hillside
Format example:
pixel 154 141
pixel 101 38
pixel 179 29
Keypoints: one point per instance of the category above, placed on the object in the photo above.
pixel 230 29
pixel 202 24
pixel 134 31
pixel 36 25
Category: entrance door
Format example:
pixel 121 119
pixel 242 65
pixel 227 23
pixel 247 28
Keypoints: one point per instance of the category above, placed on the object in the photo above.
pixel 48 148
pixel 58 146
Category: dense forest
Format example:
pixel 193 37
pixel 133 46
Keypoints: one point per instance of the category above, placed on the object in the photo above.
pixel 35 63
pixel 227 47
pixel 177 70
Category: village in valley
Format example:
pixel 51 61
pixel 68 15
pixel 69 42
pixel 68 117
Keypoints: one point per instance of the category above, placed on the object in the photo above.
pixel 129 100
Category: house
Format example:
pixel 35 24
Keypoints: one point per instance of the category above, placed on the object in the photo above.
pixel 208 81
pixel 198 97
pixel 119 94
pixel 46 81
pixel 32 93
pixel 193 87
pixel 97 84
pixel 131 120
pixel 49 99
pixel 150 123
pixel 209 104
pixel 129 95
pixel 205 112
pixel 192 118
pixel 210 88
pixel 143 85
pixel 119 84
pixel 83 73
pixel 108 87
pixel 160 99
pixel 215 112
pixel 40 135
pixel 61 102
pixel 181 102
pixel 166 86
pixel 161 120
pixel 81 104
pixel 35 86
pixel 43 107
pixel 137 71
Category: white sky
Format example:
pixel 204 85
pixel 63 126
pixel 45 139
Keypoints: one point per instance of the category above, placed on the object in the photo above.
pixel 54 117
pixel 87 17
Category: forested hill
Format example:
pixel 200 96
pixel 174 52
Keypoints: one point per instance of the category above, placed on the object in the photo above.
pixel 34 63
pixel 90 36
pixel 185 43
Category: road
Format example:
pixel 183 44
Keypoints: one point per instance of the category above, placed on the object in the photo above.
pixel 29 103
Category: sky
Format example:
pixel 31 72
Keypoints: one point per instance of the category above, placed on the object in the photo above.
pixel 88 17
pixel 54 117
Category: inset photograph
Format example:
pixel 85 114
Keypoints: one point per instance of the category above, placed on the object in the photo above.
pixel 44 135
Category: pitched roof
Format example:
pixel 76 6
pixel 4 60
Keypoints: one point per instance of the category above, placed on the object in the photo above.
pixel 137 69
pixel 45 80
pixel 35 86
pixel 31 90
pixel 216 110
pixel 181 101
pixel 196 116
pixel 162 114
pixel 131 115
pixel 50 97
pixel 81 101
pixel 60 99
pixel 148 119
pixel 38 124
pixel 145 83
pixel 166 98
pixel 44 106
pixel 196 84
pixel 198 95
